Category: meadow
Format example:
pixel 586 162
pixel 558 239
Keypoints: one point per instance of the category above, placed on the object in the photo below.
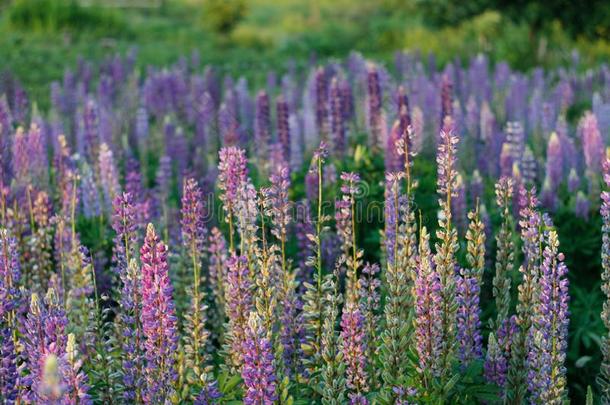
pixel 249 202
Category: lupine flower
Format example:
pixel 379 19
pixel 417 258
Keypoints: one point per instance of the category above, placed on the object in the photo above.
pixel 391 214
pixel 374 98
pixel 37 156
pixel 393 161
pixel 125 225
pixel 109 178
pixel 549 333
pixel 446 122
pixel 10 273
pixel 604 377
pixel 369 286
pixel 76 391
pixel 458 204
pixel 90 193
pixel 43 334
pixel 505 253
pixel 194 236
pixel 20 158
pixel 333 365
pixel 238 298
pixel 209 394
pixel 428 311
pixel 593 146
pixel 353 346
pixel 581 208
pixel 217 254
pixel 496 365
pixel 573 181
pixel 321 102
pixel 345 211
pixel 158 319
pixel 530 223
pixel 337 118
pixel 132 333
pixel 447 245
pixel 9 375
pixel 232 175
pixel 258 364
pixel 468 290
pixel 283 127
pixel 52 388
pixel 262 125
pixel 554 161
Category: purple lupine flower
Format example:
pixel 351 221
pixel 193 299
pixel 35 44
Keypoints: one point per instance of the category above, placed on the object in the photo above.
pixel 90 122
pixel 217 253
pixel 392 210
pixel 20 159
pixel 279 204
pixel 468 318
pixel 549 333
pixel 209 394
pixel 447 245
pixel 37 156
pixel 125 226
pixel 446 104
pixel 10 272
pixel 258 370
pixel 321 103
pixel 476 187
pixel 592 143
pixel 238 298
pixel 506 334
pixel 306 247
pixel 232 175
pixel 354 349
pixel 228 124
pixel 573 181
pixel 548 195
pixel 506 161
pixel 6 128
pixel 374 100
pixel 347 99
pixel 394 162
pixel 418 129
pixel 428 310
pixel 496 365
pixel 529 167
pixel 337 118
pixel 90 193
pixel 283 126
pixel 132 333
pixel 582 206
pixel 43 334
pixel 458 204
pixel 554 161
pixel 604 377
pixel 262 125
pixel 158 319
pixel 194 232
pixel 9 375
pixel 108 175
pixel 76 381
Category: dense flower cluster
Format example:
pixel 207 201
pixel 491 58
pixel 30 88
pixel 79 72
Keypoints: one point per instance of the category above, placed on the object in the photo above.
pixel 210 244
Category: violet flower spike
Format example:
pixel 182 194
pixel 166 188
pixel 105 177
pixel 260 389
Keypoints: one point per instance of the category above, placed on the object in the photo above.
pixel 258 370
pixel 158 319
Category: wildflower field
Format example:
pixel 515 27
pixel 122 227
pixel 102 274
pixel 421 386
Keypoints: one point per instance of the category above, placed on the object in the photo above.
pixel 347 230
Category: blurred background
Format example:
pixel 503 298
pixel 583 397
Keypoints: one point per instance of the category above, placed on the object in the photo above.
pixel 38 38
